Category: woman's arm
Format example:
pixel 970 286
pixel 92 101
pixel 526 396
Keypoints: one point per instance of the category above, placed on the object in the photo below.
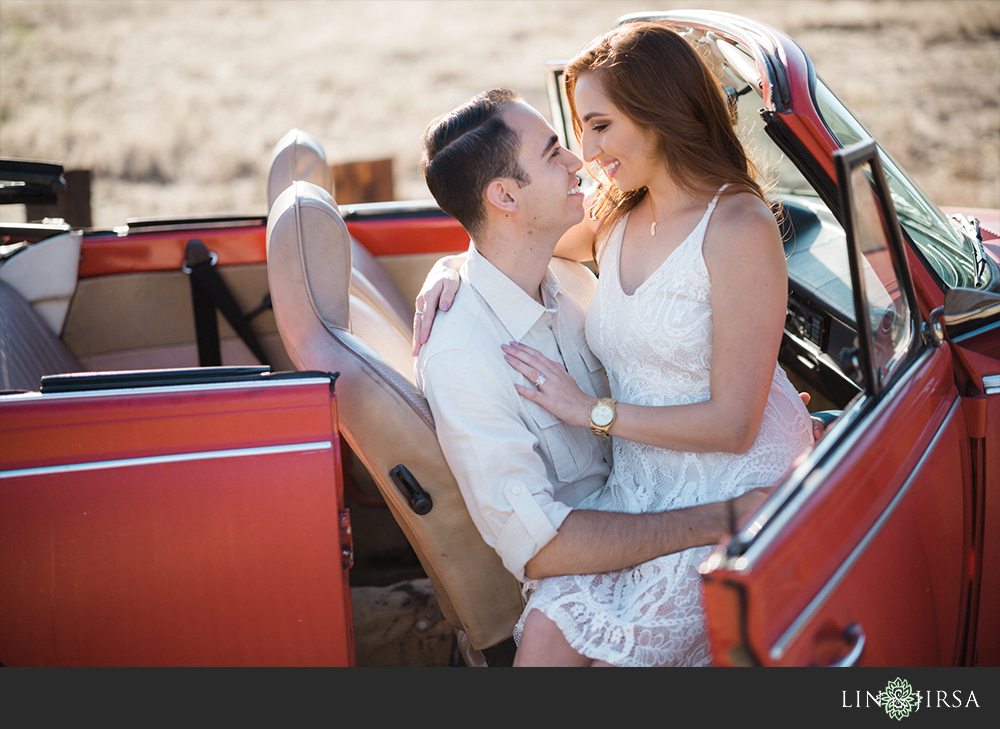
pixel 577 243
pixel 746 263
pixel 438 292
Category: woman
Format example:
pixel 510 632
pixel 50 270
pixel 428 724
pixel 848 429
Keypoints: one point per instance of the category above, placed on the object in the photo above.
pixel 687 319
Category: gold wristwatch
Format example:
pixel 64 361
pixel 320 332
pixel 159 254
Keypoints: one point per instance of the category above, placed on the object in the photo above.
pixel 602 416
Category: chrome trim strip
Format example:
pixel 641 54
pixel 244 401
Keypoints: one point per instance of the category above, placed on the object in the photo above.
pixel 173 458
pixel 779 648
pixel 992 384
pixel 198 387
pixel 773 518
pixel 363 210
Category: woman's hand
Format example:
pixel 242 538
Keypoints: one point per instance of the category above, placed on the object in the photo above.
pixel 558 392
pixel 817 424
pixel 438 292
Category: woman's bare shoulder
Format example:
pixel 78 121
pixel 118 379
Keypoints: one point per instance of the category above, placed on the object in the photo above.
pixel 743 219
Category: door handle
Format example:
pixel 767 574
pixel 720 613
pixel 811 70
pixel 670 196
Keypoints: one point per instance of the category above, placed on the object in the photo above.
pixel 855 634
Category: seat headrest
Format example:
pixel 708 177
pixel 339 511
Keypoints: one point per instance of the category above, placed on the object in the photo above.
pixel 297 156
pixel 314 256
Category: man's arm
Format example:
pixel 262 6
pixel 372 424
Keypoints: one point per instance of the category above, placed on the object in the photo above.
pixel 493 455
pixel 590 542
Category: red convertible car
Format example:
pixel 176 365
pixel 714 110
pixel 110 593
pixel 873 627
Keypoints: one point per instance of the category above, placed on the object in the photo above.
pixel 180 398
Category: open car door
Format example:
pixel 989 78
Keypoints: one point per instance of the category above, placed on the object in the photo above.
pixel 189 517
pixel 862 555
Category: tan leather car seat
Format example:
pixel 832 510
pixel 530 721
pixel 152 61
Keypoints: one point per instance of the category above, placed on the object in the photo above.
pixel 299 156
pixel 382 415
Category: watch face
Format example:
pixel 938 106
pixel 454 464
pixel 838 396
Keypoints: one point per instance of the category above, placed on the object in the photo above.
pixel 602 414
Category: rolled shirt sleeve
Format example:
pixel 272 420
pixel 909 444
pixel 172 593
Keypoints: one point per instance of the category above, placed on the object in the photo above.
pixel 496 452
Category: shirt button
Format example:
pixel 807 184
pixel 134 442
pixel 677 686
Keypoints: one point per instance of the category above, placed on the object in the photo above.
pixel 516 490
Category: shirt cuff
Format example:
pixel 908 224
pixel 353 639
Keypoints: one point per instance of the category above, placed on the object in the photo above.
pixel 529 527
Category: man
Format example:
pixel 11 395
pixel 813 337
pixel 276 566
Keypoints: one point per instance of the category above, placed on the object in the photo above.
pixel 497 166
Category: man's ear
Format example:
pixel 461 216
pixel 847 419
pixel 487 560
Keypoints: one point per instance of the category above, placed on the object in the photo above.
pixel 500 194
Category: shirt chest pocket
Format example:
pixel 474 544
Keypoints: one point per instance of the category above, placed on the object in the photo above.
pixel 569 450
pixel 595 371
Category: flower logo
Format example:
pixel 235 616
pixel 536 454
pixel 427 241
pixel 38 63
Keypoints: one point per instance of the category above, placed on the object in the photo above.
pixel 899 699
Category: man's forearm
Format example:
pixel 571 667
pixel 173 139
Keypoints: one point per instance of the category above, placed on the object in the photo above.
pixel 590 542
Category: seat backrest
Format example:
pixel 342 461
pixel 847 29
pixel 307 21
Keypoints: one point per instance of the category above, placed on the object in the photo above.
pixel 382 415
pixel 28 347
pixel 299 156
pixel 45 274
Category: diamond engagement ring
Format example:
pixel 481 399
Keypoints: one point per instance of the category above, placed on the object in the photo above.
pixel 540 380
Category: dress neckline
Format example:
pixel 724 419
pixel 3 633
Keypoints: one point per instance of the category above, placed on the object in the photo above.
pixel 621 244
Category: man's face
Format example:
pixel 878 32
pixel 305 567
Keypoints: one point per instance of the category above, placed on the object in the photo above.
pixel 552 202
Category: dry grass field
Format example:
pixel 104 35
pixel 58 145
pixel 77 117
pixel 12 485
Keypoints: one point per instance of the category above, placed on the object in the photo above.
pixel 176 105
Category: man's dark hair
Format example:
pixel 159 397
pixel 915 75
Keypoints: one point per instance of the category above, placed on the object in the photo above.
pixel 466 149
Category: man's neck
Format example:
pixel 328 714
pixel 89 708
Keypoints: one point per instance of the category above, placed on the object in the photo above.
pixel 522 261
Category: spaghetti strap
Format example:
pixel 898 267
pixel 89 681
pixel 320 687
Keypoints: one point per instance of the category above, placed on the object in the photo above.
pixel 711 205
pixel 708 214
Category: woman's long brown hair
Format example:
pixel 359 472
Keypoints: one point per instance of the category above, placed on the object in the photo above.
pixel 660 82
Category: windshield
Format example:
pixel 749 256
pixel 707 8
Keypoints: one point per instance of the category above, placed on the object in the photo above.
pixel 951 253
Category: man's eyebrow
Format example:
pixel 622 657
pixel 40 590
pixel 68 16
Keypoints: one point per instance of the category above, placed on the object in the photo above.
pixel 553 141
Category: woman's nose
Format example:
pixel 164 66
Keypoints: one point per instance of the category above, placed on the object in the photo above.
pixel 588 147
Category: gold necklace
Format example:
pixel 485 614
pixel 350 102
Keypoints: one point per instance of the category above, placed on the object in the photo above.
pixel 652 228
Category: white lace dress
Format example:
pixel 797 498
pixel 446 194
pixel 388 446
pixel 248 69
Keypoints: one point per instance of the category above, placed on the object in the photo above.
pixel 656 346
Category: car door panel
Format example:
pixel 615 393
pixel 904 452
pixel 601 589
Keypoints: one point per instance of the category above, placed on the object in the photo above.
pixel 870 539
pixel 197 524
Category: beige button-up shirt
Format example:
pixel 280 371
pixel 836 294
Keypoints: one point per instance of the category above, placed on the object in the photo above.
pixel 520 469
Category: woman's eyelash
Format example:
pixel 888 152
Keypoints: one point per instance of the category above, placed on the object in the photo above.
pixel 599 127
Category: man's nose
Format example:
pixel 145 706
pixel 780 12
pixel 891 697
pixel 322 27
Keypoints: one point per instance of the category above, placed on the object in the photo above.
pixel 573 163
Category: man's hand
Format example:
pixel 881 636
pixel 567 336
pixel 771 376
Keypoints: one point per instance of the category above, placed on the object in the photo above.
pixel 438 292
pixel 748 503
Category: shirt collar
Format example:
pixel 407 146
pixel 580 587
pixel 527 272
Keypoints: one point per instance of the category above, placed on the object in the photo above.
pixel 517 311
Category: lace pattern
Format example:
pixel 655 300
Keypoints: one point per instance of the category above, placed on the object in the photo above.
pixel 656 346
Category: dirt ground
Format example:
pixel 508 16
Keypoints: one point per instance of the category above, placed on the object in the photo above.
pixel 175 106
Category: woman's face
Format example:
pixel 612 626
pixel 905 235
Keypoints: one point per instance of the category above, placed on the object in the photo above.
pixel 625 152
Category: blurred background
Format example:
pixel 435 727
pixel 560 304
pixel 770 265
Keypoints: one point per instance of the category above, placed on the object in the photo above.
pixel 175 106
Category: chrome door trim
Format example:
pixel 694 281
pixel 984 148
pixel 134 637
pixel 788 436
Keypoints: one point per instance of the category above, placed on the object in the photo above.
pixel 159 390
pixel 781 646
pixel 991 383
pixel 172 458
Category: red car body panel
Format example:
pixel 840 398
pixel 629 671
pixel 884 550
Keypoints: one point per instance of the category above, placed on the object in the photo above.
pixel 404 236
pixel 144 527
pixel 106 254
pixel 915 559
